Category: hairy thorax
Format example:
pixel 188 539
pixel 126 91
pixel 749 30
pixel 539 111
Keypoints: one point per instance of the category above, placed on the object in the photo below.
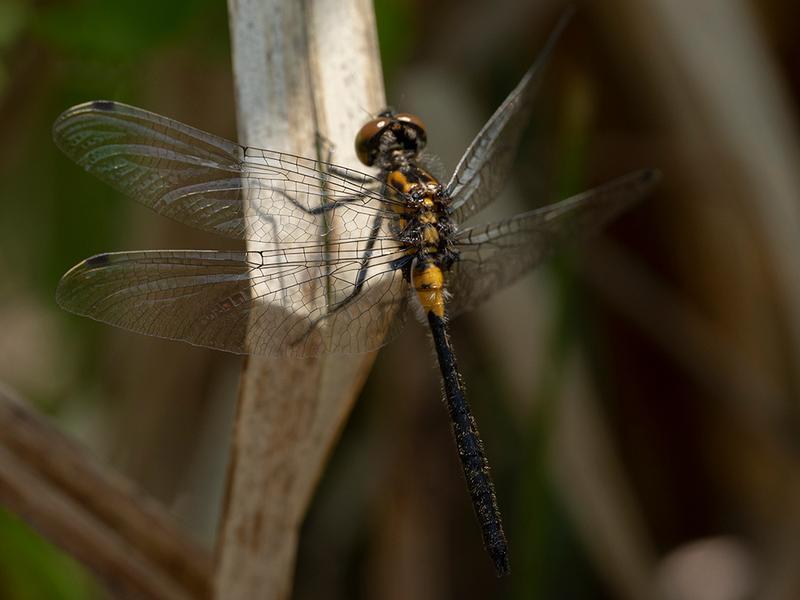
pixel 426 231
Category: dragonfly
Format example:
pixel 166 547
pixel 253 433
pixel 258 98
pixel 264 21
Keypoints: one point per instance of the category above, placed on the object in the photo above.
pixel 337 258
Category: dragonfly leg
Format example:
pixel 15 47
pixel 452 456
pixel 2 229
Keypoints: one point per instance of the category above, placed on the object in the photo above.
pixel 358 286
pixel 350 175
pixel 362 271
pixel 317 210
pixel 326 148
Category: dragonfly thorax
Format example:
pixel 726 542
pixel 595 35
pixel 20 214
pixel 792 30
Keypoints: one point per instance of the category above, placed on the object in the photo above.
pixel 422 204
pixel 426 231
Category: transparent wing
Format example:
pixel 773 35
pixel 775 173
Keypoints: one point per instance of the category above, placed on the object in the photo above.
pixel 493 256
pixel 213 184
pixel 483 170
pixel 293 302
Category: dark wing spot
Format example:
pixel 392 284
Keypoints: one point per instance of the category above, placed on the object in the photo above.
pixel 100 260
pixel 104 105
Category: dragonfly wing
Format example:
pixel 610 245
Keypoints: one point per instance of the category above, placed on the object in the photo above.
pixel 243 302
pixel 214 184
pixel 483 170
pixel 493 256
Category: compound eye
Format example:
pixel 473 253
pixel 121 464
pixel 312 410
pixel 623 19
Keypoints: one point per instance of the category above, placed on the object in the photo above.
pixel 415 122
pixel 368 140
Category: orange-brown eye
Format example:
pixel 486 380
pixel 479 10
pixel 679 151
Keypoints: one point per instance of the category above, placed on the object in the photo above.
pixel 416 123
pixel 368 139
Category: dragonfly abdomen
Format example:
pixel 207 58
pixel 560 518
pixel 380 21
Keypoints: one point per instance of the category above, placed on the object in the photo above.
pixel 428 281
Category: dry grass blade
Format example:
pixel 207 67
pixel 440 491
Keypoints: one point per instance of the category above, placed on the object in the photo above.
pixel 599 496
pixel 302 70
pixel 92 513
pixel 726 109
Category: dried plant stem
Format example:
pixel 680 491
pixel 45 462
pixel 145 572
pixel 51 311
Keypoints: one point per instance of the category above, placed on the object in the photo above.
pixel 302 70
pixel 94 514
pixel 741 150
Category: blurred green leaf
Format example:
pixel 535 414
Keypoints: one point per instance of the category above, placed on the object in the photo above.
pixel 397 33
pixel 116 31
pixel 32 569
pixel 14 17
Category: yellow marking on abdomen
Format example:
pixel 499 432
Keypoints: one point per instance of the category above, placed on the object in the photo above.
pixel 427 217
pixel 430 235
pixel 429 284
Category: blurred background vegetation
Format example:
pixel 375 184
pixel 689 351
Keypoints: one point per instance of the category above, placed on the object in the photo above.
pixel 638 395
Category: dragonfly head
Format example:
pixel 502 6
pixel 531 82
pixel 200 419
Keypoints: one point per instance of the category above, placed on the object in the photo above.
pixel 390 131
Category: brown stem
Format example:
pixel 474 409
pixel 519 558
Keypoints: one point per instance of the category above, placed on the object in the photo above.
pixel 92 513
pixel 304 71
